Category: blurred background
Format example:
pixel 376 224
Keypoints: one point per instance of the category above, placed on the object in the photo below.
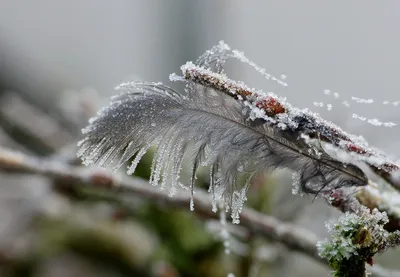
pixel 59 62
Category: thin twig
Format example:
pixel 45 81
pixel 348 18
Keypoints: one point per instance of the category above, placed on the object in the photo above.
pixel 273 107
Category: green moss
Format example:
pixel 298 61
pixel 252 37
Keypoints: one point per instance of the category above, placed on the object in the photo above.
pixel 354 267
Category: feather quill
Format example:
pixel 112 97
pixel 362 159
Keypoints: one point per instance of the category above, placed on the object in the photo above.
pixel 219 133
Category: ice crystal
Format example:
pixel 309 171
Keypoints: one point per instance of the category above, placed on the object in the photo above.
pixel 374 121
pixel 355 237
pixel 362 101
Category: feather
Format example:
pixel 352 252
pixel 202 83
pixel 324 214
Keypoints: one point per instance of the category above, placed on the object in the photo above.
pixel 219 133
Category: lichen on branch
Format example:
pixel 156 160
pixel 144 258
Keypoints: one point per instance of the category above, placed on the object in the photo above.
pixel 355 239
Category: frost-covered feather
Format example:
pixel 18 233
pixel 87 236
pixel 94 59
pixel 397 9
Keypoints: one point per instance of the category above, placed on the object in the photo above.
pixel 220 134
pixel 208 71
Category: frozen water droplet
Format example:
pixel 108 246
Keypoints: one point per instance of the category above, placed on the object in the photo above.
pixel 191 203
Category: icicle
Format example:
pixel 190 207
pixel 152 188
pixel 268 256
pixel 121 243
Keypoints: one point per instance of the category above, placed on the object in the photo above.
pixel 224 230
pixel 176 165
pixel 164 148
pixel 135 162
pixel 192 200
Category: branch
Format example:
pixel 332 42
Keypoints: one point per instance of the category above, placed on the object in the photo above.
pixel 292 236
pixel 25 122
pixel 317 127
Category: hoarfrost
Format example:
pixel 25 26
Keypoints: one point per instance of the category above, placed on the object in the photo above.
pixel 241 57
pixel 318 104
pixel 327 92
pixel 362 101
pixel 374 121
pixel 344 243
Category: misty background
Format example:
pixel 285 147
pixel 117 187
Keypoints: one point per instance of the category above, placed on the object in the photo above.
pixel 53 53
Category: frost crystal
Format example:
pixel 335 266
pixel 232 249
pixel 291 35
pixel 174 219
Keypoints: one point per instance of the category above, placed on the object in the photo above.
pixel 318 104
pixel 241 57
pixel 345 103
pixel 355 237
pixel 374 121
pixel 296 188
pixel 362 101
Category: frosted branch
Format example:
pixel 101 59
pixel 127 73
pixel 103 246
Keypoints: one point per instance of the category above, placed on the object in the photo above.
pixel 292 236
pixel 277 110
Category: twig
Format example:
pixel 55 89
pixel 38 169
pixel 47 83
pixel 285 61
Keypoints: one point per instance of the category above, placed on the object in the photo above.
pixel 24 122
pixel 292 236
pixel 318 128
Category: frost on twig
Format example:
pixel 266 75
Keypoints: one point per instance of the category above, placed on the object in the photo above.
pixel 355 239
pixel 275 109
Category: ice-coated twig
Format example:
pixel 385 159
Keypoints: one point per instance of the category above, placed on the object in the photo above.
pixel 277 109
pixel 221 82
